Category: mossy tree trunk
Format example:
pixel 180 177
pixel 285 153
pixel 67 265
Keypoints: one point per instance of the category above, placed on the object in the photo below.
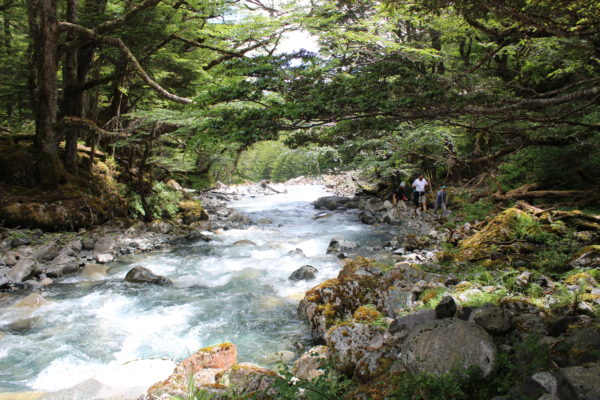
pixel 43 25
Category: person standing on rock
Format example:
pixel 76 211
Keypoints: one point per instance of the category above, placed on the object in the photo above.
pixel 440 201
pixel 419 194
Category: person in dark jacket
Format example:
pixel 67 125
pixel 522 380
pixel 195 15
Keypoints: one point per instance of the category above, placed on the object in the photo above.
pixel 440 201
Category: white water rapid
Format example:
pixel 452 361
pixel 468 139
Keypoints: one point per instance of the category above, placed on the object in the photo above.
pixel 222 291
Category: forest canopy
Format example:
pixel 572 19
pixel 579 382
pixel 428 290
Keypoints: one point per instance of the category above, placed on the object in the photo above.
pixel 455 88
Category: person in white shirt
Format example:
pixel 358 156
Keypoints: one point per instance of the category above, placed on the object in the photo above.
pixel 419 196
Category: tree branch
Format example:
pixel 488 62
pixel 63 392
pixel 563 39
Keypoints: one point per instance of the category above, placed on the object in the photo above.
pixel 115 42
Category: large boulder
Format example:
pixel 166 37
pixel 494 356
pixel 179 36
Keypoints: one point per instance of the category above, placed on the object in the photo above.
pixel 22 270
pixel 203 367
pixel 331 202
pixel 437 347
pixel 45 252
pixel 304 273
pixel 349 342
pixel 144 275
pixel 34 300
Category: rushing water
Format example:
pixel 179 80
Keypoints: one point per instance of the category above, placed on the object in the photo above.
pixel 222 291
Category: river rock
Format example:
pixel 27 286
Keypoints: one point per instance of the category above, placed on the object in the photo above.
pixel 374 204
pixel 104 258
pixel 304 273
pixel 104 245
pixel 372 365
pixel 438 346
pixel 22 270
pixel 309 365
pixel 144 275
pixel 33 300
pixel 583 346
pixel 331 202
pixel 349 342
pixel 338 244
pixel 45 252
pixel 410 321
pixel 526 389
pixel 322 215
pixel 202 367
pixel 161 227
pixel 579 382
pixel 68 266
pixel 95 271
pixel 244 242
pixel 547 381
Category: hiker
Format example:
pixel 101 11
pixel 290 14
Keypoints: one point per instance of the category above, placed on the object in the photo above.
pixel 399 194
pixel 419 197
pixel 440 201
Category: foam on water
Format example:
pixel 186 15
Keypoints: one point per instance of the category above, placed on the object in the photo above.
pixel 222 292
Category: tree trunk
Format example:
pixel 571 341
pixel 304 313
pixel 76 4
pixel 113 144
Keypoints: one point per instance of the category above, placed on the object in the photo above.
pixel 71 97
pixel 44 34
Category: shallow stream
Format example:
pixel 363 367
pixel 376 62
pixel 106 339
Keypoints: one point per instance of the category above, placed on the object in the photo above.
pixel 223 291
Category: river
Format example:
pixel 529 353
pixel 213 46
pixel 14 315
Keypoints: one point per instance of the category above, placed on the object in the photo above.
pixel 224 290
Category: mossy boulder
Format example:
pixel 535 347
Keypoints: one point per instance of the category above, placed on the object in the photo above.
pixel 246 379
pixel 349 342
pixel 359 283
pixel 192 211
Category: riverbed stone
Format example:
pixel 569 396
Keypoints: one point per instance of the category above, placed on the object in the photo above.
pixel 331 202
pixel 22 270
pixel 45 252
pixel 304 273
pixel 104 258
pixel 337 244
pixel 104 245
pixel 33 300
pixel 144 275
pixel 95 271
pixel 438 346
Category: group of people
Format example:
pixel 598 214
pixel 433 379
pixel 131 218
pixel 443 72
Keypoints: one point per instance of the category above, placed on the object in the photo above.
pixel 402 193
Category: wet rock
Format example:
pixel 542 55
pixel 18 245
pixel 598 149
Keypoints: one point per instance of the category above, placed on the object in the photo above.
pixel 374 204
pixel 438 346
pixel 494 320
pixel 446 308
pixel 410 321
pixel 338 244
pixel 94 271
pixel 331 202
pixel 368 218
pixel 104 258
pixel 33 300
pixel 296 252
pixel 579 382
pixel 349 342
pixel 58 270
pixel 22 270
pixel 322 215
pixel 244 242
pixel 144 275
pixel 304 273
pixel 309 365
pixel 413 242
pixel 238 217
